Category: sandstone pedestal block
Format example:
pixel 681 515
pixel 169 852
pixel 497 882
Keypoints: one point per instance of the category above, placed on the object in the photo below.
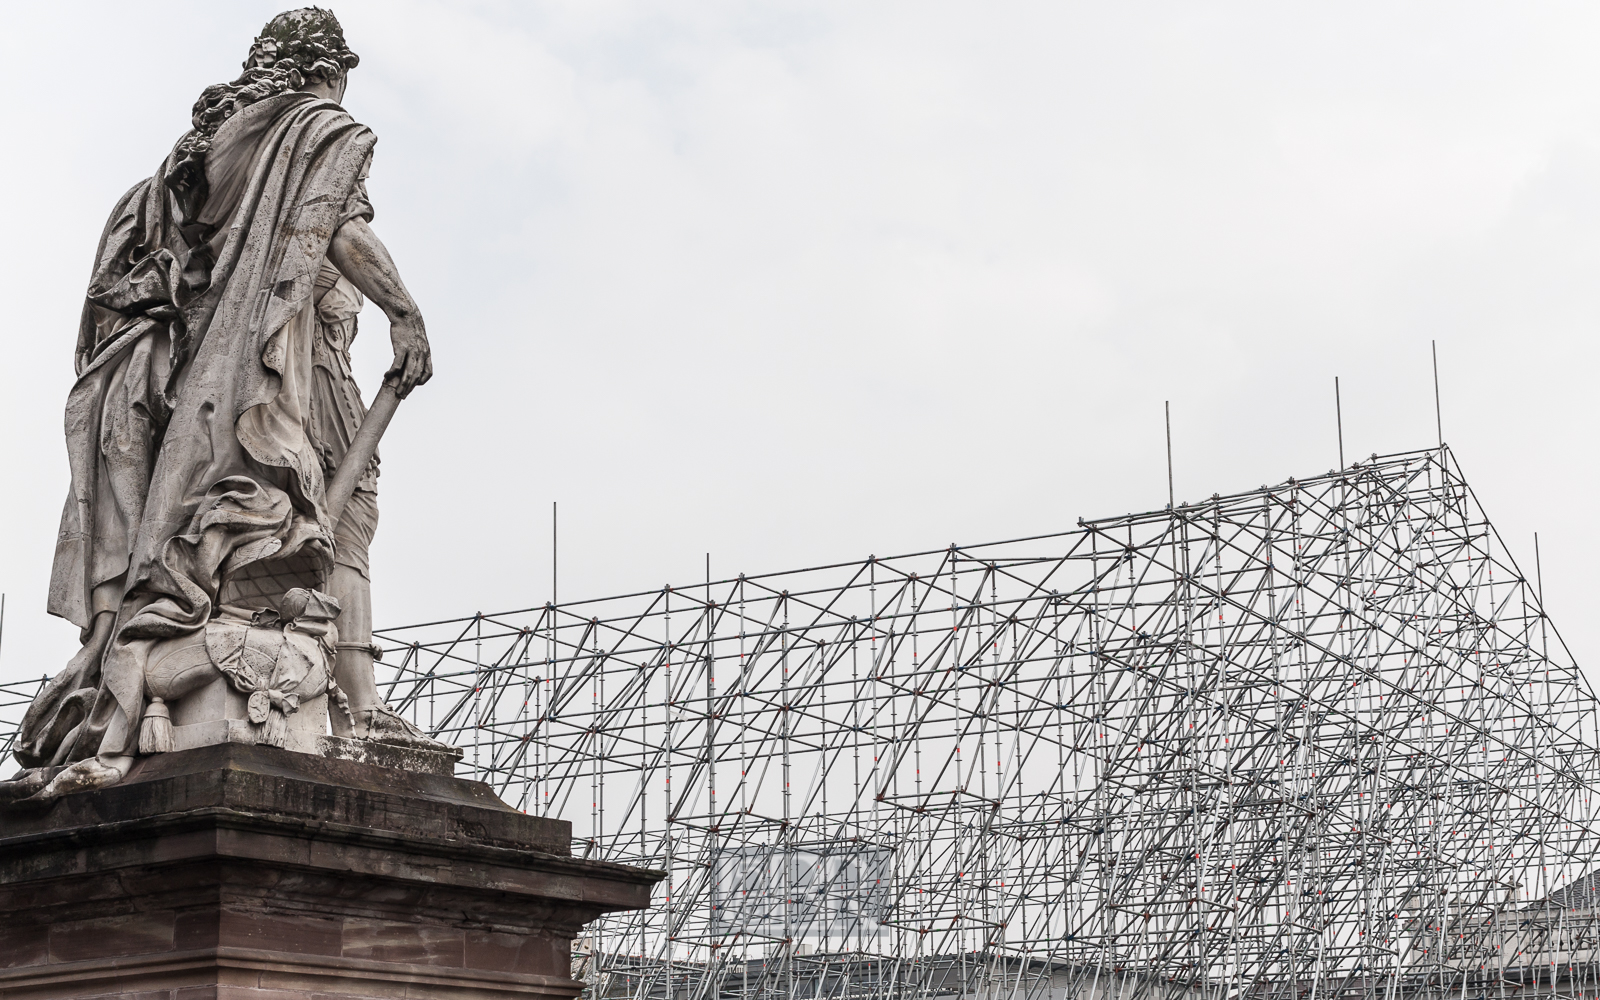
pixel 237 871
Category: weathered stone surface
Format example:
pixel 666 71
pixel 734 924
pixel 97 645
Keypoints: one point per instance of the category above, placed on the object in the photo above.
pixel 423 760
pixel 250 871
pixel 216 559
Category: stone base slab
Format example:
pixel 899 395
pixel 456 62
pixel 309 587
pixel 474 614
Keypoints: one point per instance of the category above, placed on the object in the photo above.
pixel 417 759
pixel 217 731
pixel 237 871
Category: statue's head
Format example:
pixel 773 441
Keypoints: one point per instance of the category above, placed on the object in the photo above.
pixel 306 45
pixel 298 50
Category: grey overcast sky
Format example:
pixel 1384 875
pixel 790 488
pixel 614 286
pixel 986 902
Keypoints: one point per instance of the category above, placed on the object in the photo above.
pixel 798 282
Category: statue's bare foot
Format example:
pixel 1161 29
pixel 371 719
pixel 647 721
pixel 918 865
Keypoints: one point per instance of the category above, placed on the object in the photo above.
pixel 26 783
pixel 383 725
pixel 84 776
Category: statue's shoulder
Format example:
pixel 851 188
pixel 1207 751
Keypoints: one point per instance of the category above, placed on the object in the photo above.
pixel 124 227
pixel 328 127
pixel 287 110
pixel 330 112
pixel 309 124
pixel 126 207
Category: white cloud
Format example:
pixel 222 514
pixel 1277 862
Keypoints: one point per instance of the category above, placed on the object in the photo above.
pixel 796 282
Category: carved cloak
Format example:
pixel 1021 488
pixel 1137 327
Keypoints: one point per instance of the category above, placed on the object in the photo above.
pixel 194 478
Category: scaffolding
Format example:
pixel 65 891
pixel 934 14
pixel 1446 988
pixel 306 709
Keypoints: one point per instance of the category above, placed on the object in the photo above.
pixel 1309 741
pixel 15 697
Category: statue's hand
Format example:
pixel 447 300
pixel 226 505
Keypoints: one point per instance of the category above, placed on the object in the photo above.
pixel 413 360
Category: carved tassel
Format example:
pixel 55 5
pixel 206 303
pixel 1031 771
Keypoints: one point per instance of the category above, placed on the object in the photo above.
pixel 340 700
pixel 275 732
pixel 155 732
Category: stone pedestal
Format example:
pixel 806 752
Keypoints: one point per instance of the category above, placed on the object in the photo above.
pixel 238 871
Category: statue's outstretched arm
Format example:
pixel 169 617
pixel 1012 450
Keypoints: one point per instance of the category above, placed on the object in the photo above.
pixel 360 256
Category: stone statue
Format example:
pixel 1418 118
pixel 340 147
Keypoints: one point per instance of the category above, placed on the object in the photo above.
pixel 198 552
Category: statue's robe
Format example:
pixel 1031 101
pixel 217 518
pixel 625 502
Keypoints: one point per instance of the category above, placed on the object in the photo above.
pixel 195 479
